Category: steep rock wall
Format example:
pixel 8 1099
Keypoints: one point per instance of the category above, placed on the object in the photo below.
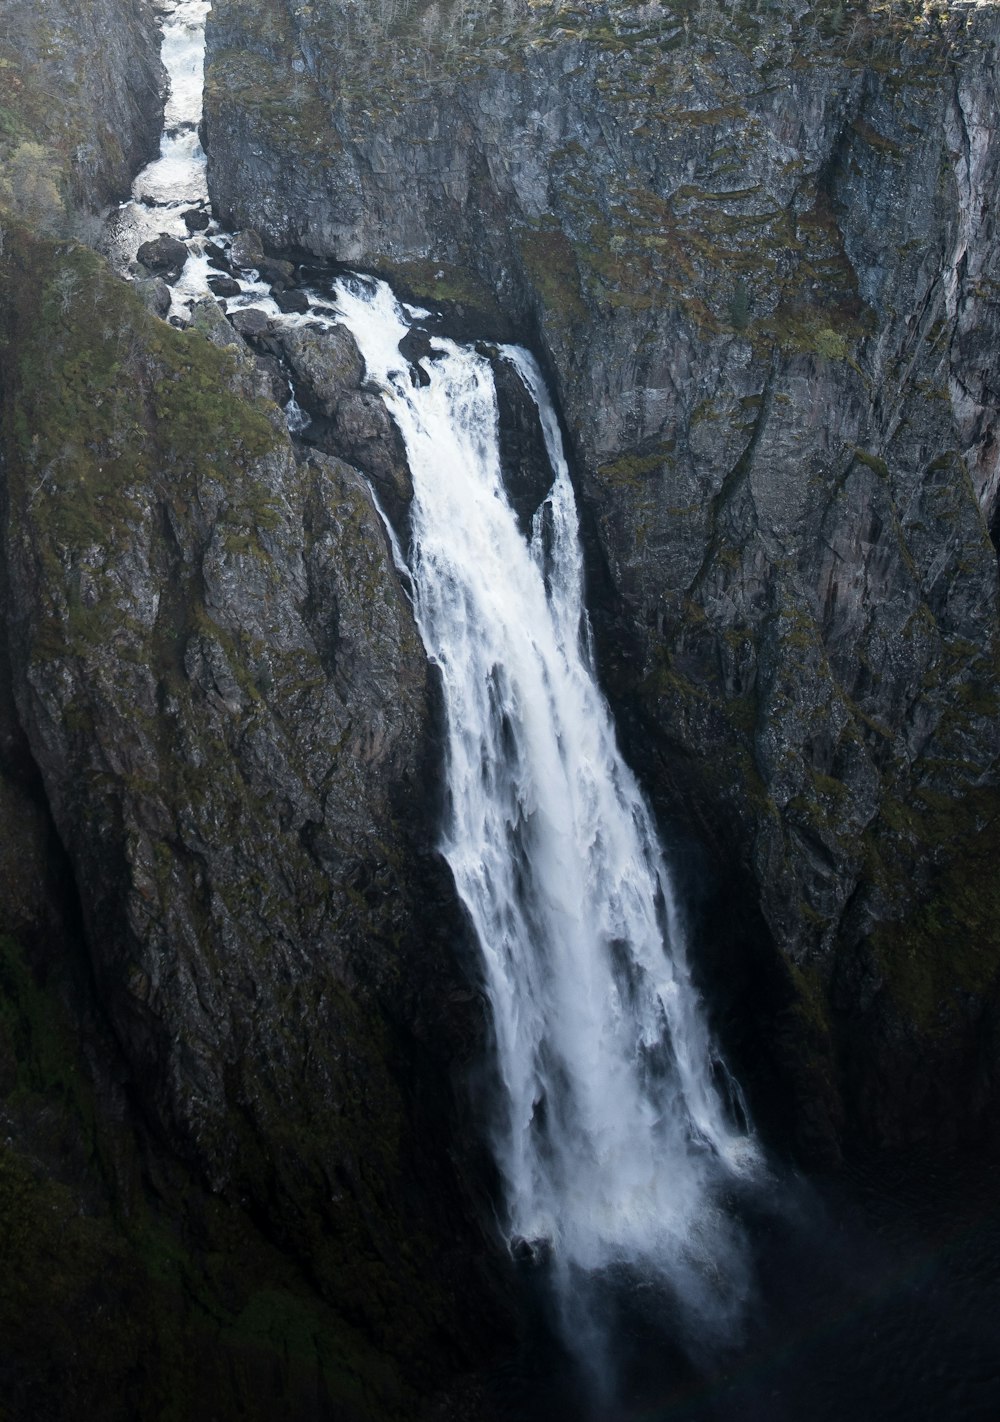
pixel 755 248
pixel 225 696
pixel 229 1004
pixel 84 82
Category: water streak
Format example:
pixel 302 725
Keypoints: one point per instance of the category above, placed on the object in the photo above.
pixel 614 1141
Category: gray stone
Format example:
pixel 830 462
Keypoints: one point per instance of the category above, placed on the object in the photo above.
pixel 164 256
pixel 245 250
pixel 224 286
pixel 154 293
pixel 250 322
pixel 208 317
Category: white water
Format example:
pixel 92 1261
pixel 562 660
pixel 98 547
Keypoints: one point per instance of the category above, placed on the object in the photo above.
pixel 612 1137
pixel 175 181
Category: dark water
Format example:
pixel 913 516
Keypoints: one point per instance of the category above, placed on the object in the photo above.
pixel 877 1297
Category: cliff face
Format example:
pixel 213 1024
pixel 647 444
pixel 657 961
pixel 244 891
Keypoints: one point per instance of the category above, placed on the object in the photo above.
pixel 224 691
pixel 229 1006
pixel 84 82
pixel 755 249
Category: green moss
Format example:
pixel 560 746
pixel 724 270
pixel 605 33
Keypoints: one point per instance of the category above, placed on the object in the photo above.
pixel 873 462
pixel 632 470
pixel 110 404
pixel 876 140
pixel 441 284
pixel 550 262
pixel 825 332
pixel 948 946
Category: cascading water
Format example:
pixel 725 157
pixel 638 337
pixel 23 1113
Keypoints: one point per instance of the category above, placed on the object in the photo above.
pixel 175 181
pixel 612 1138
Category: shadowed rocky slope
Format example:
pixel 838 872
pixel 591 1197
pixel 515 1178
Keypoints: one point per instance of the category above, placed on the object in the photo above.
pixel 231 1014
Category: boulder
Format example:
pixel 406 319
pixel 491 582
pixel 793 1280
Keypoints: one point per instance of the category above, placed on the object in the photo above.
pixel 217 257
pixel 327 365
pixel 252 324
pixel 279 273
pixel 291 301
pixel 224 286
pixel 245 250
pixel 164 256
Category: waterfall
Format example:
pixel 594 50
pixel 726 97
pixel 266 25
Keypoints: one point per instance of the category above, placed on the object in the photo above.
pixel 613 1139
pixel 615 1129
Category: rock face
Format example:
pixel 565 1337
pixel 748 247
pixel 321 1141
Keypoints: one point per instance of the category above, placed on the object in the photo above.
pixel 86 83
pixel 229 1003
pixel 754 249
pixel 223 689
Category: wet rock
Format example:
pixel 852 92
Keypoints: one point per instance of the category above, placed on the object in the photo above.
pixel 416 346
pixel 195 219
pixel 327 365
pixel 224 286
pixel 164 256
pixel 364 433
pixel 291 301
pixel 277 381
pixel 245 250
pixel 527 472
pixel 217 257
pixel 251 323
pixel 277 273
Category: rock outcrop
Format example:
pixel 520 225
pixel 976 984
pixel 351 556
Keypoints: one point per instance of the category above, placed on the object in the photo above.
pixel 754 247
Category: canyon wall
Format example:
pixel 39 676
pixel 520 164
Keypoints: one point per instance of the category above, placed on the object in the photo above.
pixel 753 246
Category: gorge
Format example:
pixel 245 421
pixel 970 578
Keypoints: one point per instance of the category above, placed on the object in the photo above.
pixel 244 1024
